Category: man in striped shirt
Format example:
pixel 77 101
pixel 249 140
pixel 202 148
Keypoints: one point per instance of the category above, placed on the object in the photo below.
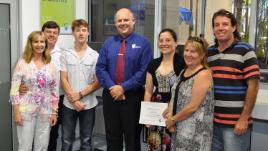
pixel 236 83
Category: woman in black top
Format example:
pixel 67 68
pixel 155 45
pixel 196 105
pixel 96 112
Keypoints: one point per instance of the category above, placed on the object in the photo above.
pixel 161 74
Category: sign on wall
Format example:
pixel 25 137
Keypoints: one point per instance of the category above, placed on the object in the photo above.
pixel 61 11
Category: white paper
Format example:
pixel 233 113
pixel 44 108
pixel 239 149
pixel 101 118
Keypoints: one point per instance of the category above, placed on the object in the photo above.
pixel 151 113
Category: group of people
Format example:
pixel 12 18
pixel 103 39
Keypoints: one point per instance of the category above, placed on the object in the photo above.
pixel 39 105
pixel 210 91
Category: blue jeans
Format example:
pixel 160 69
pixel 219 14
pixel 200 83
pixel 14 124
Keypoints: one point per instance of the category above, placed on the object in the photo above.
pixel 224 139
pixel 86 124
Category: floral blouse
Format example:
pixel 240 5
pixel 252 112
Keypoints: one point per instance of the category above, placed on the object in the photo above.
pixel 41 96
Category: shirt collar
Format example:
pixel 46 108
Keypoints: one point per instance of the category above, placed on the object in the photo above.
pixel 89 51
pixel 128 38
pixel 55 49
pixel 230 47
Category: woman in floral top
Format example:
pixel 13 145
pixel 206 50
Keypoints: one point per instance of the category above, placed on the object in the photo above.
pixel 36 110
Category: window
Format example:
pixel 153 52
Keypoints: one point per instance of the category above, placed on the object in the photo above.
pixel 101 18
pixel 242 14
pixel 171 17
pixel 261 40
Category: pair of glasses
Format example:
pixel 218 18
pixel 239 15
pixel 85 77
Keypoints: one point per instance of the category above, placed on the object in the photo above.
pixel 225 12
pixel 196 39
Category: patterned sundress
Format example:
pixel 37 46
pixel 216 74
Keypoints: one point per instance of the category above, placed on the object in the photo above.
pixel 195 132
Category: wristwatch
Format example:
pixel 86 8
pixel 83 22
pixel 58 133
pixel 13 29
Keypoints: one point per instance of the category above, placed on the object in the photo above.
pixel 80 94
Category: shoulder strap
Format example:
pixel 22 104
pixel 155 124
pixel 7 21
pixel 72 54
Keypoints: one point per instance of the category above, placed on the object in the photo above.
pixel 181 79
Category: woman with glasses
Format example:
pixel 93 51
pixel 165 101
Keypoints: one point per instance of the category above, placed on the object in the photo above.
pixel 161 74
pixel 190 112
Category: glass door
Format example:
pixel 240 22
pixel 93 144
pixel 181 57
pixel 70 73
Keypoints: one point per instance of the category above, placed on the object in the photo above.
pixel 9 42
pixel 5 111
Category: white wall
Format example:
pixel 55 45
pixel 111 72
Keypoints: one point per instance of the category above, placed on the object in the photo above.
pixel 30 20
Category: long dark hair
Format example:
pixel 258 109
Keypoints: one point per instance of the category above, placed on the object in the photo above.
pixel 225 13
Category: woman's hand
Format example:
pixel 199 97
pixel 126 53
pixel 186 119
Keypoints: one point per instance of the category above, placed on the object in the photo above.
pixel 172 129
pixel 23 89
pixel 53 119
pixel 170 122
pixel 166 114
pixel 18 119
pixel 149 126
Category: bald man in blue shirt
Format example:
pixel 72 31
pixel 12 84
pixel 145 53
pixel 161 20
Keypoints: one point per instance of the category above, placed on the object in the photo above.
pixel 121 100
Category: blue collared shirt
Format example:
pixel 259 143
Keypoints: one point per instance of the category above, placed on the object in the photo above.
pixel 137 57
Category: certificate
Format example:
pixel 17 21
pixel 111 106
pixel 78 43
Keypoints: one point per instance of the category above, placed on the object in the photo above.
pixel 151 113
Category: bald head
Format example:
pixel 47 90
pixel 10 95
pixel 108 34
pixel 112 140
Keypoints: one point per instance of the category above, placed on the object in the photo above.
pixel 124 22
pixel 125 11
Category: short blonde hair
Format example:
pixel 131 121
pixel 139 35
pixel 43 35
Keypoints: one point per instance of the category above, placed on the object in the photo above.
pixel 200 46
pixel 28 50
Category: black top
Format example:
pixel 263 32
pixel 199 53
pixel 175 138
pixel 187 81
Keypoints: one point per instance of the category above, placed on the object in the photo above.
pixel 178 65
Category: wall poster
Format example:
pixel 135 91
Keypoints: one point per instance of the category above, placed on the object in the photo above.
pixel 61 11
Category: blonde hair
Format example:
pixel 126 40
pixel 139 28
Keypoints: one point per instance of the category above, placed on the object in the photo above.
pixel 28 50
pixel 200 45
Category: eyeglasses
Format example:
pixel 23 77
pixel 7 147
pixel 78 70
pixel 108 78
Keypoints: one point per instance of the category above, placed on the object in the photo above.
pixel 196 39
pixel 224 12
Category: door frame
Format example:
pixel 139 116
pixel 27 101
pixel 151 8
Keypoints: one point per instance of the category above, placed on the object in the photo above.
pixel 14 47
pixel 14 30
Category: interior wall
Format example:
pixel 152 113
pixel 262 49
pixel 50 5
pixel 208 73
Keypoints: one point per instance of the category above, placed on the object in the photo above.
pixel 211 7
pixel 30 20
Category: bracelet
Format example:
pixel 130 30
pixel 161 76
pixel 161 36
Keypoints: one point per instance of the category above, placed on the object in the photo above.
pixel 55 112
pixel 80 94
pixel 173 119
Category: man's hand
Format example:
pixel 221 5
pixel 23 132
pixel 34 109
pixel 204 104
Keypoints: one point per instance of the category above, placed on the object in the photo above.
pixel 73 96
pixel 23 88
pixel 241 126
pixel 117 92
pixel 122 97
pixel 79 106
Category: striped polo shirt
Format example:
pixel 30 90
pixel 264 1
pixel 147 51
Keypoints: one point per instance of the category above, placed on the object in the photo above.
pixel 231 70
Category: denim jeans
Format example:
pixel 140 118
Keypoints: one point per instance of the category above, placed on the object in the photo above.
pixel 224 139
pixel 86 124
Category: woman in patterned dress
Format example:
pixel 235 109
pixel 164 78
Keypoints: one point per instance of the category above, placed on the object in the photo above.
pixel 192 97
pixel 36 110
pixel 161 74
